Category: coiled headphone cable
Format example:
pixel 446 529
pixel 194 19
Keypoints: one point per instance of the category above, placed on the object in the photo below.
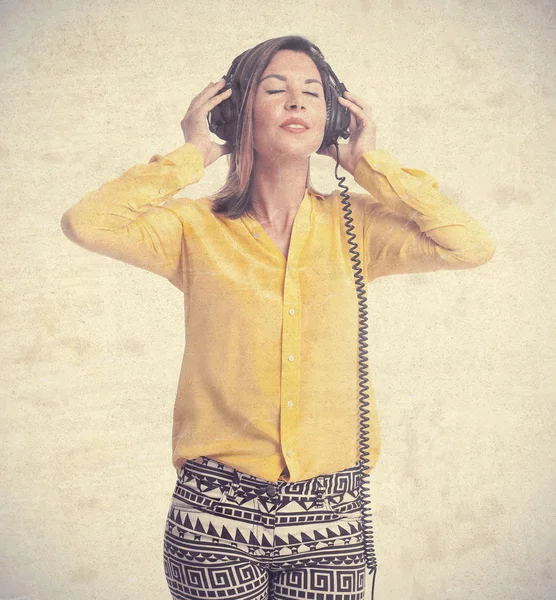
pixel 370 556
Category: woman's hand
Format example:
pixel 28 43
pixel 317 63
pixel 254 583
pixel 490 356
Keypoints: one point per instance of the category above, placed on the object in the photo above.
pixel 195 125
pixel 362 136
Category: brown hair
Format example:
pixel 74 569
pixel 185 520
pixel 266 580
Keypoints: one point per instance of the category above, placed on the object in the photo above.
pixel 233 200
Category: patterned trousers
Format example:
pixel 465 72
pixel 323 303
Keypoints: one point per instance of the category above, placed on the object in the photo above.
pixel 232 535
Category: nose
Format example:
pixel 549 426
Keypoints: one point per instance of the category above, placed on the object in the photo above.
pixel 295 100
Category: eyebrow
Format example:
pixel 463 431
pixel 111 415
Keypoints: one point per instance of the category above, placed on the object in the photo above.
pixel 285 79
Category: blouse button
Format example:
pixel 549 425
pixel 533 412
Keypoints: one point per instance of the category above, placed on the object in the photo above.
pixel 405 196
pixel 161 191
pixel 292 311
pixel 289 452
pixel 290 357
pixel 256 234
pixel 375 166
pixel 290 403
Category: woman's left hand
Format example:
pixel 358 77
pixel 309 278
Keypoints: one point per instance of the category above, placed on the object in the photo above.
pixel 362 137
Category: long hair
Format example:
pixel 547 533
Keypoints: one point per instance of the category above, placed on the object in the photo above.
pixel 233 200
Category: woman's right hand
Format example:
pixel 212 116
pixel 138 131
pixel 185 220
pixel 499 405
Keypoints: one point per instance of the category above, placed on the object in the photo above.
pixel 195 125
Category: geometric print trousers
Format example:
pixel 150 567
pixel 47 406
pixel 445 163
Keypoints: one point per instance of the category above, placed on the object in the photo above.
pixel 233 535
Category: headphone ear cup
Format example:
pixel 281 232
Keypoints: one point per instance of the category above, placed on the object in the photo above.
pixel 223 117
pixel 340 118
pixel 342 114
pixel 337 116
pixel 329 114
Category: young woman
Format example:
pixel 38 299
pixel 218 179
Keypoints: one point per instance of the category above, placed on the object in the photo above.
pixel 265 432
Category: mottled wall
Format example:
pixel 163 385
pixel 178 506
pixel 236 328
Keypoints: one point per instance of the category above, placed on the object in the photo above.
pixel 462 362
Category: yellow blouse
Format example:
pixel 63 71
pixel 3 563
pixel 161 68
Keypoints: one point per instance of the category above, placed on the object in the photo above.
pixel 269 376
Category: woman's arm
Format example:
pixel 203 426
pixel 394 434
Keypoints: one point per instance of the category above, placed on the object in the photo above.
pixel 413 227
pixel 124 218
pixel 410 227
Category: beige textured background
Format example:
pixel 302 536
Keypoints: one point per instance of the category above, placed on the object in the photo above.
pixel 462 362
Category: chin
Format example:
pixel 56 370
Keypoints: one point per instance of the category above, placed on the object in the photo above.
pixel 295 145
pixel 303 145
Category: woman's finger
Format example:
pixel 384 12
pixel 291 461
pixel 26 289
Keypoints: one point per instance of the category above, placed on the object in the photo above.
pixel 217 98
pixel 207 93
pixel 366 108
pixel 355 109
pixel 216 94
pixel 359 101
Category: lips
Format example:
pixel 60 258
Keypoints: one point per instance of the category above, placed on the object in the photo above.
pixel 294 121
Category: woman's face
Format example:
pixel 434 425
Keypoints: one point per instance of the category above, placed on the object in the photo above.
pixel 294 90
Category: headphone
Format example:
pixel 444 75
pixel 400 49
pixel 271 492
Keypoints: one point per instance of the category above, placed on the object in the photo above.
pixel 224 117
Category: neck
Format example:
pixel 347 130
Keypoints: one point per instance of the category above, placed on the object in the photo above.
pixel 278 189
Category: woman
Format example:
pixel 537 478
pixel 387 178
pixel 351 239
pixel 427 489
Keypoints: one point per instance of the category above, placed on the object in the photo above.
pixel 265 438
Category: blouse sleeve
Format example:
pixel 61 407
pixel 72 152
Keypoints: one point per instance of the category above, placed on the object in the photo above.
pixel 411 226
pixel 126 220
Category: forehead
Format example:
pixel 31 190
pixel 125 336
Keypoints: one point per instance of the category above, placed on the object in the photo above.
pixel 292 64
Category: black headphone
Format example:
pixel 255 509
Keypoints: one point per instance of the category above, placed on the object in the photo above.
pixel 223 118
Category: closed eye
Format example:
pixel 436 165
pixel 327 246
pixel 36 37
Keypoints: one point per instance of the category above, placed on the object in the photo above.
pixel 277 91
